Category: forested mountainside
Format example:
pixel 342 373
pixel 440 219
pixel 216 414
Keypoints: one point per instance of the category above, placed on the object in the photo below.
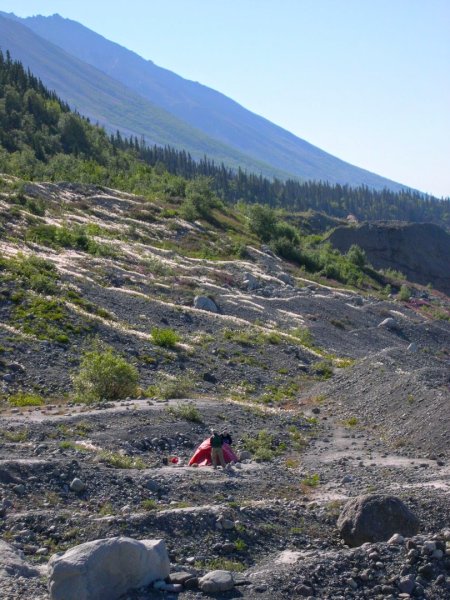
pixel 42 139
pixel 121 90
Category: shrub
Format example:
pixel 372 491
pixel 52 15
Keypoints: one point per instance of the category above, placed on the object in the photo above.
pixel 263 446
pixel 357 255
pixel 172 388
pixel 149 504
pixel 405 293
pixel 165 337
pixel 188 412
pixel 104 374
pixel 311 480
pixel 26 399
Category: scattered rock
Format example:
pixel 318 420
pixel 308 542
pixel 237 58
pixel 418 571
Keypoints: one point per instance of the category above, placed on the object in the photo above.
pixel 13 564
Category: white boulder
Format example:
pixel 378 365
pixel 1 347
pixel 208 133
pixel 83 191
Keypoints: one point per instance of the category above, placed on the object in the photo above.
pixel 106 568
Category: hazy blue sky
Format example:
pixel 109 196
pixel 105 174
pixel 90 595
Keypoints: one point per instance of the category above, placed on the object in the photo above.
pixel 366 80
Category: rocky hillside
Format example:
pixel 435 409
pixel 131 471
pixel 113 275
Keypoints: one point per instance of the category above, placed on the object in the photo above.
pixel 420 251
pixel 329 391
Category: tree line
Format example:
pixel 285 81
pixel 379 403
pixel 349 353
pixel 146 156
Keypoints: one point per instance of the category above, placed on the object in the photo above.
pixel 40 137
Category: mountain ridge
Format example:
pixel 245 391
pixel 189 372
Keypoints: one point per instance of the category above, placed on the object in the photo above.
pixel 209 111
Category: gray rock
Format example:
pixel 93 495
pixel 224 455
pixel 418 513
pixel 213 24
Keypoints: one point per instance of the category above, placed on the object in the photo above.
pixel 389 323
pixel 286 278
pixel 180 577
pixel 13 564
pixel 251 282
pixel 375 518
pixel 77 485
pixel 106 568
pixel 205 303
pixel 406 584
pixel 216 581
pixel 19 489
pixel 245 455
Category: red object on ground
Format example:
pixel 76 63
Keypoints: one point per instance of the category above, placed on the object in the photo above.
pixel 202 456
pixel 174 460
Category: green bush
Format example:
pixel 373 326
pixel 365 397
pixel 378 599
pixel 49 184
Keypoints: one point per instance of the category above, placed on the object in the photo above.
pixel 104 375
pixel 188 412
pixel 26 399
pixel 165 337
pixel 180 387
pixel 405 293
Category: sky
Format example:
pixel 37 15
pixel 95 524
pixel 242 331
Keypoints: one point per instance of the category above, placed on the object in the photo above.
pixel 365 80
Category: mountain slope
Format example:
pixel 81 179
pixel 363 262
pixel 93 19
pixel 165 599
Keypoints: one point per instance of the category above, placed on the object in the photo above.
pixel 203 108
pixel 107 101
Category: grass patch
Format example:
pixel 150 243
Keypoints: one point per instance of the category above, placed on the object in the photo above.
pixel 17 435
pixel 179 387
pixel 26 399
pixel 311 480
pixel 149 504
pixel 351 422
pixel 221 564
pixel 187 412
pixel 119 461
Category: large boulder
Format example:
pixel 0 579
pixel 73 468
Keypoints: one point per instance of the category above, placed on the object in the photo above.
pixel 205 303
pixel 375 518
pixel 106 568
pixel 13 564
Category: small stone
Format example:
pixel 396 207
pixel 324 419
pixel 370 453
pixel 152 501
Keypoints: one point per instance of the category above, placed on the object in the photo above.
pixel 396 540
pixel 19 489
pixel 406 584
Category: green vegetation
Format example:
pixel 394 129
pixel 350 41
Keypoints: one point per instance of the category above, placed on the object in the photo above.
pixel 165 337
pixel 104 375
pixel 46 319
pixel 26 399
pixel 30 272
pixel 119 461
pixel 263 446
pixel 75 237
pixel 223 564
pixel 167 389
pixel 311 480
pixel 187 412
pixel 15 435
pixel 405 293
pixel 351 422
pixel 149 504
